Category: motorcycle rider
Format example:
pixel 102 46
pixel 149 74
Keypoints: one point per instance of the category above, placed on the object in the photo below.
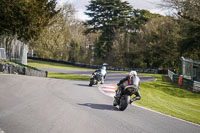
pixel 131 79
pixel 102 72
pixel 98 72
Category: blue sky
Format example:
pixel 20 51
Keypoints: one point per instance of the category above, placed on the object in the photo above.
pixel 151 5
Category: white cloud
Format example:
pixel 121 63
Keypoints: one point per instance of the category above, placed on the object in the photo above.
pixel 151 5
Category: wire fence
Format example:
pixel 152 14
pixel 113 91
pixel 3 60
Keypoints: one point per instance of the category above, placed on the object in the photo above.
pixel 184 82
pixel 13 49
pixel 191 69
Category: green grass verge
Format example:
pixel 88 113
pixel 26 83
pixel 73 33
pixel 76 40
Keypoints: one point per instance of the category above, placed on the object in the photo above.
pixel 166 97
pixel 46 64
pixel 68 76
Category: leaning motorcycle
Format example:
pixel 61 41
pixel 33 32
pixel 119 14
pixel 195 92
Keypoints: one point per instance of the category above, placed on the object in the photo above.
pixel 125 97
pixel 96 79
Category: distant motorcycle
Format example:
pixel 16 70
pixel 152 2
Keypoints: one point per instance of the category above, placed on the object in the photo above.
pixel 125 97
pixel 96 79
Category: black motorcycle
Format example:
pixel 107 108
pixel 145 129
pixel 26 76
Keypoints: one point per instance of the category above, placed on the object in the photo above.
pixel 96 79
pixel 125 97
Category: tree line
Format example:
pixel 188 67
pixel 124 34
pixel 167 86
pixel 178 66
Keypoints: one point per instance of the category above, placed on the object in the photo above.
pixel 116 33
pixel 139 39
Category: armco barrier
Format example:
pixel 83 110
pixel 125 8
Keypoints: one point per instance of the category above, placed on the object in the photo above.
pixel 187 83
pixel 175 78
pixel 196 86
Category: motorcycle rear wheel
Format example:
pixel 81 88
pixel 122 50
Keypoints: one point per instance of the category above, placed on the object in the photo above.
pixel 124 101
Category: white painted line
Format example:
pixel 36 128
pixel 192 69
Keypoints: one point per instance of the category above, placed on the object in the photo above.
pixel 166 115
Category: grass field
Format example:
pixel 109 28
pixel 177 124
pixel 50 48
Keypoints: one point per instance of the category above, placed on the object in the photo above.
pixel 6 61
pixel 166 97
pixel 46 64
pixel 68 76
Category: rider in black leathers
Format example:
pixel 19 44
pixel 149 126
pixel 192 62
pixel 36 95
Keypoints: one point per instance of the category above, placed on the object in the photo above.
pixel 132 79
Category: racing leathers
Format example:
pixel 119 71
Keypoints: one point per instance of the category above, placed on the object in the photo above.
pixel 129 80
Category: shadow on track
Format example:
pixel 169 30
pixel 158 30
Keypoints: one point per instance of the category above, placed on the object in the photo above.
pixel 100 106
pixel 86 85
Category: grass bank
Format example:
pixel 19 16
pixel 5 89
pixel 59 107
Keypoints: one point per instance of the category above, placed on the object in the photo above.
pixel 16 63
pixel 163 96
pixel 6 61
pixel 46 64
pixel 68 76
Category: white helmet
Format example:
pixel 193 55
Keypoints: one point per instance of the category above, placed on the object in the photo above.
pixel 133 73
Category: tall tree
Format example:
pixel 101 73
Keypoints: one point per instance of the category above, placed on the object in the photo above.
pixel 158 43
pixel 63 40
pixel 139 18
pixel 188 12
pixel 24 18
pixel 108 17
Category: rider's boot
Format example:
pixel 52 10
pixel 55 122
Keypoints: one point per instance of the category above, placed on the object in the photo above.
pixel 102 81
pixel 134 99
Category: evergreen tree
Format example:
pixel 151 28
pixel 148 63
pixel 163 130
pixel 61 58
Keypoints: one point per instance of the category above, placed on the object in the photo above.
pixel 139 18
pixel 108 17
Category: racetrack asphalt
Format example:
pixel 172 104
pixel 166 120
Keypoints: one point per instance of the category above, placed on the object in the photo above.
pixel 112 77
pixel 44 105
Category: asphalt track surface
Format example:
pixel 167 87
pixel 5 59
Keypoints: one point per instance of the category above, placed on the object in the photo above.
pixel 112 77
pixel 44 105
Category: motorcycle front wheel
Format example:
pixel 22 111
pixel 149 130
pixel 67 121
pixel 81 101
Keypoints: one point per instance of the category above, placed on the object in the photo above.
pixel 115 103
pixel 91 82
